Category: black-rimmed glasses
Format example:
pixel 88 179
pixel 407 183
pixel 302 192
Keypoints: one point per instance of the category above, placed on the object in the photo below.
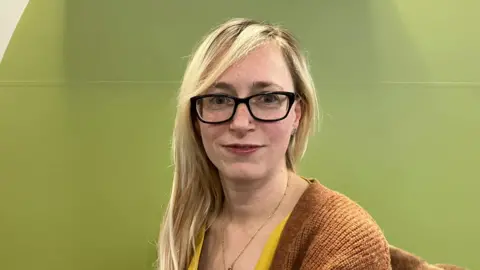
pixel 220 108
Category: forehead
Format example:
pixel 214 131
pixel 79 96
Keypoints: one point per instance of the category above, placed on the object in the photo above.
pixel 262 69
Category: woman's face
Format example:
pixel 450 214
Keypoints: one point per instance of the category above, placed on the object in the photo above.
pixel 245 148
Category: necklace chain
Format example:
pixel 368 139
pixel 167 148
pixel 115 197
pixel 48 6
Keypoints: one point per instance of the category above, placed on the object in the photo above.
pixel 251 238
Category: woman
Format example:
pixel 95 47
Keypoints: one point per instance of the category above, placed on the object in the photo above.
pixel 246 107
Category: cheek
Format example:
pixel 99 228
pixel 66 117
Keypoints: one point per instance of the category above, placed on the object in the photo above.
pixel 278 135
pixel 209 134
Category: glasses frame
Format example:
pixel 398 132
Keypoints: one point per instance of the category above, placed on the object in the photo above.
pixel 193 105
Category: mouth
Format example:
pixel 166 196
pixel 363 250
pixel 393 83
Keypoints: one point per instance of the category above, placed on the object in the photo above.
pixel 242 148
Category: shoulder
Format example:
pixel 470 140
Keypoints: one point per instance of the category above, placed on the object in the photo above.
pixel 341 212
pixel 343 233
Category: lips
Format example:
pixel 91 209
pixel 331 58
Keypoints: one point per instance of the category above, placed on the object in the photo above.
pixel 242 148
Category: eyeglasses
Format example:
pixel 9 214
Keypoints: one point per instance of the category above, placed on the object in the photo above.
pixel 220 108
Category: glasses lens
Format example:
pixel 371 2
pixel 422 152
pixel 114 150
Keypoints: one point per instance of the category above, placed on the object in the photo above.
pixel 269 106
pixel 215 108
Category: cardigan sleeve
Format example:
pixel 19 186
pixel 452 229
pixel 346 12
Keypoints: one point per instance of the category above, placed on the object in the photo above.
pixel 345 237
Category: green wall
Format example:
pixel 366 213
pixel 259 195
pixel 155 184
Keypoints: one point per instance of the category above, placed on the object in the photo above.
pixel 87 95
pixel 36 217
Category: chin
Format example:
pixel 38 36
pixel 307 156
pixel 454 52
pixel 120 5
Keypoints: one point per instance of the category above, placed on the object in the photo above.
pixel 243 171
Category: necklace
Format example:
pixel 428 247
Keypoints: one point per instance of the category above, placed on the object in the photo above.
pixel 251 238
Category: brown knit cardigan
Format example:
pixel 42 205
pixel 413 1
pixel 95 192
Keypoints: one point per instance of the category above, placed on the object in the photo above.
pixel 327 230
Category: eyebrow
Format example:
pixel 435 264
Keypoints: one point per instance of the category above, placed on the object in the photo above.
pixel 256 86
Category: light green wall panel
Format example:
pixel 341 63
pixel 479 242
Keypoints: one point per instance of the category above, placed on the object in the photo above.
pixel 36 215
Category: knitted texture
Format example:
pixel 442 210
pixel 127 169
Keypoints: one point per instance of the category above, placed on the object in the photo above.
pixel 404 260
pixel 327 230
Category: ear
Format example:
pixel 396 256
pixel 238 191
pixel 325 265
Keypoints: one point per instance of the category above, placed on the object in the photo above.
pixel 297 108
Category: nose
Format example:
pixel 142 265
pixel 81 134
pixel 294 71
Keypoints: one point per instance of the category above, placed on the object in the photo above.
pixel 242 118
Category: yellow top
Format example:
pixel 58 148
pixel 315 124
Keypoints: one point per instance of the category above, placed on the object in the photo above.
pixel 265 258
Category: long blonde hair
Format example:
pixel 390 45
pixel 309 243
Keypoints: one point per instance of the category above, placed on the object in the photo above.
pixel 197 195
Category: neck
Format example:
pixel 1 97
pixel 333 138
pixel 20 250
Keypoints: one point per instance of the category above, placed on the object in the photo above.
pixel 248 201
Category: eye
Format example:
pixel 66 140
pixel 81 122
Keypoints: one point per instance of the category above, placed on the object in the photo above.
pixel 218 100
pixel 269 98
